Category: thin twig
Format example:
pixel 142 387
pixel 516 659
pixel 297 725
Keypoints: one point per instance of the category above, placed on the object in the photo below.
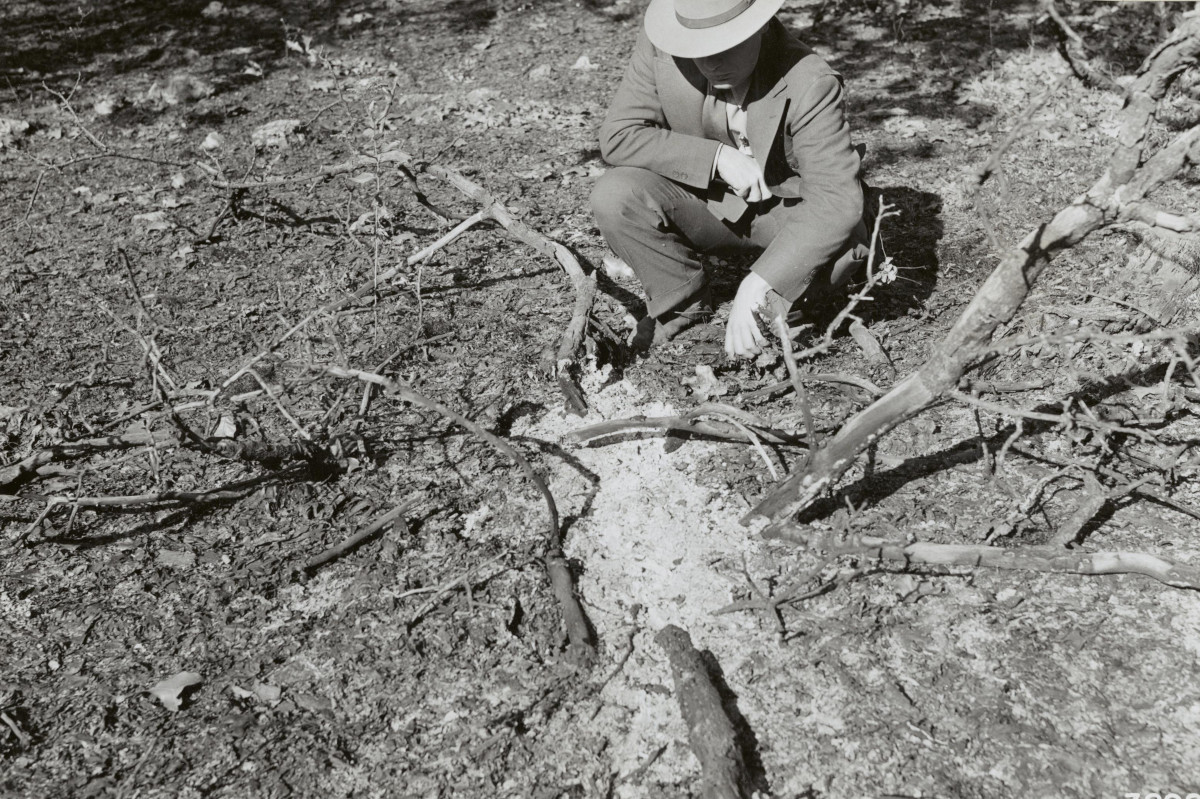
pixel 361 292
pixel 450 586
pixel 396 514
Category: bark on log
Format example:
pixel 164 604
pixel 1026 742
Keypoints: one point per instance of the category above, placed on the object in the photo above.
pixel 711 733
pixel 1114 198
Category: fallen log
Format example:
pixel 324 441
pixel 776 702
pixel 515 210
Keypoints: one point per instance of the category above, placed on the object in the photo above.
pixel 711 733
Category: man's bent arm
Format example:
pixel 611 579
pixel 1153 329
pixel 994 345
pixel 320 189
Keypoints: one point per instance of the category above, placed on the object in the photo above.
pixel 820 229
pixel 635 131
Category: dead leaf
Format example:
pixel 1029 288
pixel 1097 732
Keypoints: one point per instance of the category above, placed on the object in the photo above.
pixel 155 220
pixel 226 427
pixel 268 693
pixel 313 704
pixel 241 693
pixel 176 560
pixel 212 141
pixel 617 269
pixel 705 384
pixel 170 691
pixel 183 87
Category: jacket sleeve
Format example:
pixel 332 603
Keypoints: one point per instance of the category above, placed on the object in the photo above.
pixel 635 132
pixel 820 228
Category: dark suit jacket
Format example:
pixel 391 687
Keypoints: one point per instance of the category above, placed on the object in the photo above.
pixel 797 129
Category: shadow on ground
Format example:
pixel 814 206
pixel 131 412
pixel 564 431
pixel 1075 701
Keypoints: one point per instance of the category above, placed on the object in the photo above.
pixel 57 41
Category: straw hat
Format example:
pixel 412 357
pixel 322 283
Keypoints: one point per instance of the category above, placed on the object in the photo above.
pixel 699 28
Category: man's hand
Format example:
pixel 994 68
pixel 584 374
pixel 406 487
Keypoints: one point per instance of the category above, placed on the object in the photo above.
pixel 742 174
pixel 743 339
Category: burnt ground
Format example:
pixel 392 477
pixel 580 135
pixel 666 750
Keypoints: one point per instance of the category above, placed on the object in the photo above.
pixel 429 660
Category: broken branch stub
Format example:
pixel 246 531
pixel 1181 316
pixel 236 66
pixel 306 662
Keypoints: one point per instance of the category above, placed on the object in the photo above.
pixel 1129 177
pixel 711 733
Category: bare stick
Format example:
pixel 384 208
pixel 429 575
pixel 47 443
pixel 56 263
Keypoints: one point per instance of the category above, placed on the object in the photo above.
pixel 226 493
pixel 662 425
pixel 450 586
pixel 1138 487
pixel 1168 572
pixel 336 551
pixel 858 297
pixel 28 466
pixel 1095 498
pixel 1064 419
pixel 871 348
pixel 66 102
pixel 819 377
pixel 585 286
pixel 812 437
pixel 388 156
pixel 711 733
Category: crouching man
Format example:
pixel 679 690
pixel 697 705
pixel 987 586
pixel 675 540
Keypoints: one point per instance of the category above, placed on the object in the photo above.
pixel 727 134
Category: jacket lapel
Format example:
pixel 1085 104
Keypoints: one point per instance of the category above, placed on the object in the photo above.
pixel 762 124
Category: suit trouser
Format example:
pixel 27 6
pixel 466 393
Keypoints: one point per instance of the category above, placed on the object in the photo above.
pixel 660 227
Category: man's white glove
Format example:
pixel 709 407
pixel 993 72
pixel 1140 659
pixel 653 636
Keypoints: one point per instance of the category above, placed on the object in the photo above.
pixel 743 339
pixel 742 174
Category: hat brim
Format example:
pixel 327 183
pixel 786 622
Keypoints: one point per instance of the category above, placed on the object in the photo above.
pixel 668 34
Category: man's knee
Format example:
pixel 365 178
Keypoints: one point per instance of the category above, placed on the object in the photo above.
pixel 623 195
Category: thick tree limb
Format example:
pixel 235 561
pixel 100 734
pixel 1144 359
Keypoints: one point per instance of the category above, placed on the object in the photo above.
pixel 1127 180
pixel 711 733
pixel 687 424
pixel 1178 575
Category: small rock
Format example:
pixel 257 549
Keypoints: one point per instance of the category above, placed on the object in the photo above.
pixel 213 10
pixel 11 130
pixel 705 384
pixel 104 107
pixel 183 87
pixel 268 693
pixel 585 64
pixel 275 134
pixel 213 141
pixel 540 72
pixel 155 220
pixel 170 691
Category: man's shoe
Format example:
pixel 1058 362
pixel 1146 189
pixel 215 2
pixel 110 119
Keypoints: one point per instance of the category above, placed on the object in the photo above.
pixel 672 323
pixel 653 331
